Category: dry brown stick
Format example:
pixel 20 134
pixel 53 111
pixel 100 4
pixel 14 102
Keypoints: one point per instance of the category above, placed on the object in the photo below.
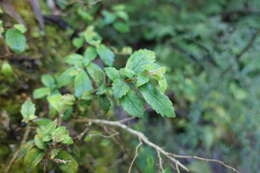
pixel 25 137
pixel 141 137
pixel 205 159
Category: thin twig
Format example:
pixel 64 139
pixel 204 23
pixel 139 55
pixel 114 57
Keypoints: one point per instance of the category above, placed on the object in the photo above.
pixel 140 136
pixel 172 157
pixel 135 156
pixel 177 168
pixel 24 139
pixel 205 159
pixel 160 162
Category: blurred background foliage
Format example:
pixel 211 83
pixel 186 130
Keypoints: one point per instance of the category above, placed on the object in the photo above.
pixel 210 47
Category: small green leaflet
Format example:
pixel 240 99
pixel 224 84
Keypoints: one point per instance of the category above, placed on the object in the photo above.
pixel 108 17
pixel 41 92
pixel 78 42
pixel 119 88
pixel 15 40
pixel 90 53
pixel 82 83
pixel 106 55
pixel 122 27
pixel 28 111
pixel 104 103
pixel 141 80
pixel 139 59
pixel 61 135
pixel 61 102
pixel 67 76
pixel 20 28
pixel 112 73
pixel 33 157
pixel 91 36
pixel 96 73
pixel 6 69
pixel 158 101
pixel 48 81
pixel 74 59
pixel 39 143
pixel 71 165
pixel 133 104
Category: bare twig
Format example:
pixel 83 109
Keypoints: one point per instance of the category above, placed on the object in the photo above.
pixel 141 137
pixel 172 157
pixel 205 159
pixel 25 137
pixel 160 162
pixel 177 168
pixel 135 156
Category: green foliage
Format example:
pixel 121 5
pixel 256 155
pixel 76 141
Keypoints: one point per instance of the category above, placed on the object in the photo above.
pixel 82 65
pixel 106 55
pixel 33 157
pixel 133 104
pixel 158 101
pixel 6 69
pixel 28 111
pixel 15 39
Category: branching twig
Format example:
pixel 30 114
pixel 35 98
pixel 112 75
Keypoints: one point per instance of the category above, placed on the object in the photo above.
pixel 205 159
pixel 141 137
pixel 135 156
pixel 160 162
pixel 172 157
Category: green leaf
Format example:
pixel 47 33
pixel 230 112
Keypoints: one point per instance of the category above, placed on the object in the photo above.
pixel 127 73
pixel 133 104
pixel 90 53
pixel 71 165
pixel 122 27
pixel 33 157
pixel 112 73
pixel 158 101
pixel 67 77
pixel 106 55
pixel 41 92
pixel 108 17
pixel 104 103
pixel 48 81
pixel 28 111
pixel 139 59
pixel 141 80
pixel 61 135
pixel 39 143
pixel 82 84
pixel 155 70
pixel 44 131
pixel 78 42
pixel 119 88
pixel 61 102
pixel 42 121
pixel 96 73
pixel 6 69
pixel 163 85
pixel 20 28
pixel 92 37
pixel 15 40
pixel 74 59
